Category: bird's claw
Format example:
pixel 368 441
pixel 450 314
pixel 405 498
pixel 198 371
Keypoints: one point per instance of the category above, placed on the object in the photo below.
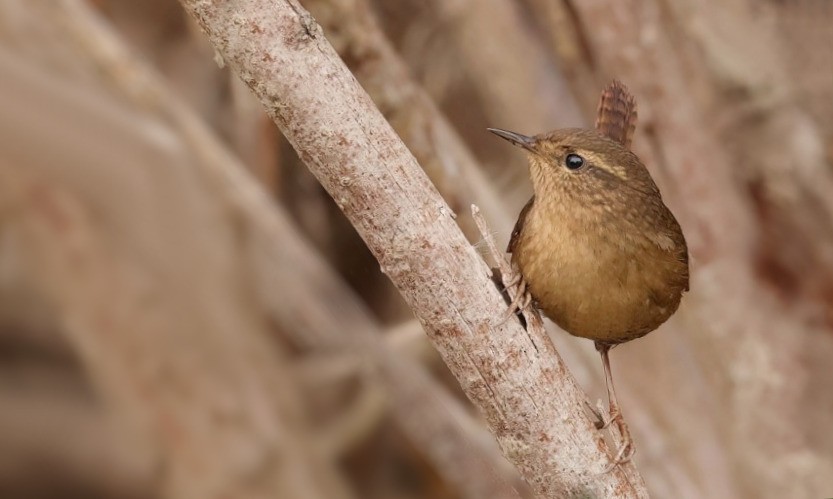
pixel 521 296
pixel 626 449
pixel 620 422
pixel 623 455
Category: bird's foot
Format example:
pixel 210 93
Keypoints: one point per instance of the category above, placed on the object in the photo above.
pixel 520 296
pixel 613 416
pixel 626 448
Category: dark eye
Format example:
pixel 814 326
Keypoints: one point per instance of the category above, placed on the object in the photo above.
pixel 573 161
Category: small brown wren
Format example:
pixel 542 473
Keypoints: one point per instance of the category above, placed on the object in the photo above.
pixel 597 249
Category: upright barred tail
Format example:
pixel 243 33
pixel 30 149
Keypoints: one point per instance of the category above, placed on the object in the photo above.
pixel 616 116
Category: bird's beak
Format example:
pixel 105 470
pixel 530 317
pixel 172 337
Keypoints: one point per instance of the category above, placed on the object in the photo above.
pixel 527 143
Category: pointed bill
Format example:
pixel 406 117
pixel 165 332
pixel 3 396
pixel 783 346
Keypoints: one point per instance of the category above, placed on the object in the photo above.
pixel 524 141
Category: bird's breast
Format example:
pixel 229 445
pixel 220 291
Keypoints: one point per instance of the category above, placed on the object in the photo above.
pixel 595 282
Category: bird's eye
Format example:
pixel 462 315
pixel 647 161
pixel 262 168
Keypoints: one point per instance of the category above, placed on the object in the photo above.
pixel 573 161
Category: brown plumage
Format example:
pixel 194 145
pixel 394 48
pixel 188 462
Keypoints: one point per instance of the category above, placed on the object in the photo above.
pixel 597 249
pixel 601 254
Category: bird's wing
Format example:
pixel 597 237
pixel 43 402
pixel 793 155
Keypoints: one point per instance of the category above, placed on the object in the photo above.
pixel 516 232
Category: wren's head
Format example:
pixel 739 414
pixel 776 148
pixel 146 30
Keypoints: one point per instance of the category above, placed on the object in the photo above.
pixel 575 164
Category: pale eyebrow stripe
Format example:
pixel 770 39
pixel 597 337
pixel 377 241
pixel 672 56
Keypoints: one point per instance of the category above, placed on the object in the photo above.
pixel 619 173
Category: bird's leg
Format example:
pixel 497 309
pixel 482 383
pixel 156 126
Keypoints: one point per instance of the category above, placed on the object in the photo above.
pixel 626 448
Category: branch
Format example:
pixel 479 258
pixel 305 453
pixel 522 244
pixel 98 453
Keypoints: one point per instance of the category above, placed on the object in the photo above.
pixel 354 31
pixel 321 313
pixel 516 379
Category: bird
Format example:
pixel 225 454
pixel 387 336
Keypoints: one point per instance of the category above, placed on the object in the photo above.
pixel 596 249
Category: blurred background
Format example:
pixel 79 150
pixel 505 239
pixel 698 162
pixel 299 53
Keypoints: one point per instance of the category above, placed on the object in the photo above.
pixel 184 312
